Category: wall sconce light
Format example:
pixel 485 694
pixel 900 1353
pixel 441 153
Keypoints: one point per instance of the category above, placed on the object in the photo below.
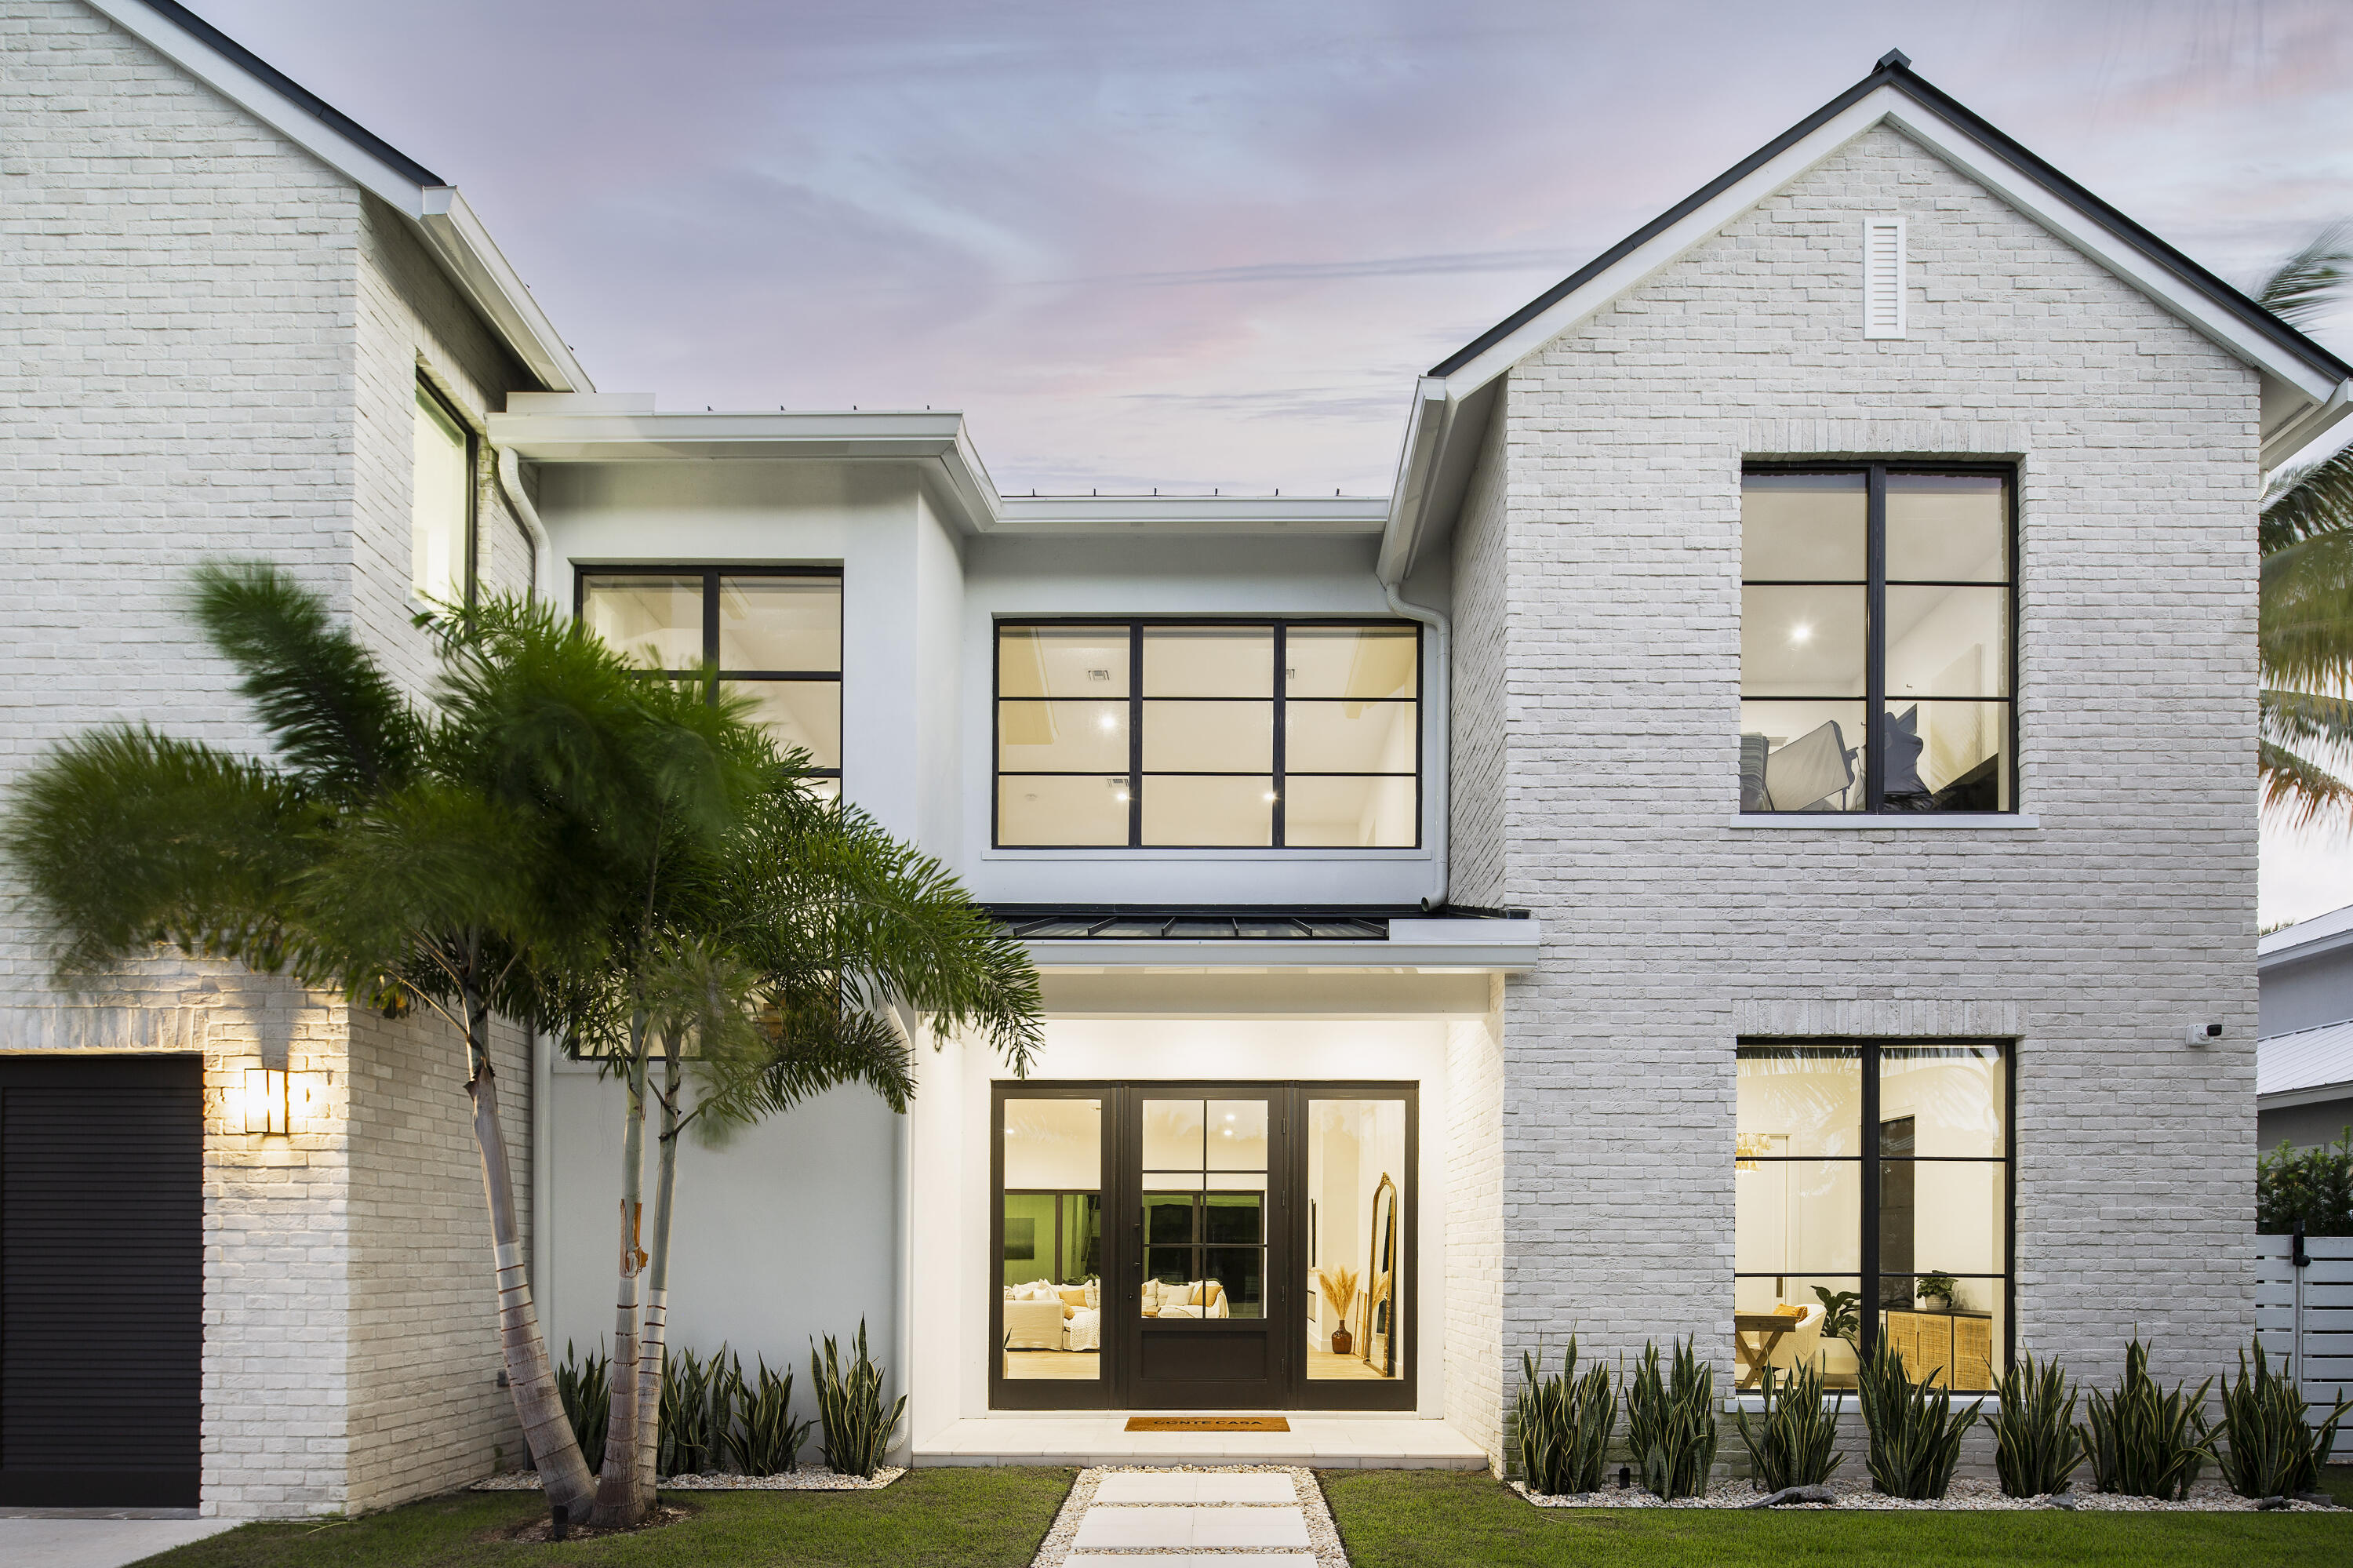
pixel 274 1101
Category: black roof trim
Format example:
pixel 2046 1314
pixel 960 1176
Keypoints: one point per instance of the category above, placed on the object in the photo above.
pixel 342 123
pixel 1214 923
pixel 1894 70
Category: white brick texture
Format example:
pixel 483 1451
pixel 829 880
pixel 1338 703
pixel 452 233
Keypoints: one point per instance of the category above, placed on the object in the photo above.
pixel 208 340
pixel 1614 662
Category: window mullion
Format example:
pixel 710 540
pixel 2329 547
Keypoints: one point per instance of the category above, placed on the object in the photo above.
pixel 710 633
pixel 1136 736
pixel 1867 1309
pixel 1875 659
pixel 1282 697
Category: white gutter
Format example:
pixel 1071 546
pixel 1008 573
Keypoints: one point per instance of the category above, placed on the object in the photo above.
pixel 542 549
pixel 1402 535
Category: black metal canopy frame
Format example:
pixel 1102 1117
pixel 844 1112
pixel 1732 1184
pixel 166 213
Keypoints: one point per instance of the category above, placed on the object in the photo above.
pixel 1123 922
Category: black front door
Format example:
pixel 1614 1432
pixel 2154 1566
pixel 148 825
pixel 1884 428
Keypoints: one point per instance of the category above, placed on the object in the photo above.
pixel 1203 1245
pixel 1207 1299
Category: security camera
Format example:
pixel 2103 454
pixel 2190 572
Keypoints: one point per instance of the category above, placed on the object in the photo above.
pixel 2204 1033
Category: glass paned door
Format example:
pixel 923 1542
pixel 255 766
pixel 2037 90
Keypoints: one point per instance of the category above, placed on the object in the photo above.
pixel 1207 1224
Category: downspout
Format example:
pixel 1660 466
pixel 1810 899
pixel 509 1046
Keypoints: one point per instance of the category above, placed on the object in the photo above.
pixel 542 549
pixel 1442 742
pixel 1425 430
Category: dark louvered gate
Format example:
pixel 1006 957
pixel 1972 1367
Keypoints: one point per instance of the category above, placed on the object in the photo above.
pixel 101 1280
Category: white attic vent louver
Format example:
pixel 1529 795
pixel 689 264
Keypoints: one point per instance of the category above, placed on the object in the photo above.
pixel 1883 276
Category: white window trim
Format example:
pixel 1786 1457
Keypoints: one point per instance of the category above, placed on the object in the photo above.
pixel 1876 286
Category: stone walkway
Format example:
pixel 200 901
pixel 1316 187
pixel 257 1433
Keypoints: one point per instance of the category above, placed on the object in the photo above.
pixel 1254 1517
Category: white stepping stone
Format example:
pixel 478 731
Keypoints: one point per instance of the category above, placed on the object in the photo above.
pixel 1182 1487
pixel 1173 1529
pixel 1223 1559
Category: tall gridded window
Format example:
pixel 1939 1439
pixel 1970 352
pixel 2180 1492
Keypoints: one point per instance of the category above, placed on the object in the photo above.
pixel 1299 735
pixel 1877 640
pixel 774 635
pixel 440 503
pixel 1871 1196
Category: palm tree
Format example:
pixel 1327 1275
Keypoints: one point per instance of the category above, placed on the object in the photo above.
pixel 2305 538
pixel 562 834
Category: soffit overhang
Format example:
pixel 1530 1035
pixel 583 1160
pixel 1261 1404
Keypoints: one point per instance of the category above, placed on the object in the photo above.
pixel 935 443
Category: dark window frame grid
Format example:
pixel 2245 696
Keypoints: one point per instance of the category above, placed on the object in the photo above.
pixel 1199 1247
pixel 711 576
pixel 472 568
pixel 1868 1156
pixel 1874 585
pixel 1279 775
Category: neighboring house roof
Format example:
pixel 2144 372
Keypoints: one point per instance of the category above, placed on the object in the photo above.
pixel 2307 939
pixel 2304 1067
pixel 2305 388
pixel 452 233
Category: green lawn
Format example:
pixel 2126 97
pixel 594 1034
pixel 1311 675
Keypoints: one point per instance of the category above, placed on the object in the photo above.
pixel 929 1518
pixel 1423 1519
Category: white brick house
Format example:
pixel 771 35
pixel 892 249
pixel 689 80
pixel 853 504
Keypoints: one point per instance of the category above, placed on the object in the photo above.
pixel 1762 807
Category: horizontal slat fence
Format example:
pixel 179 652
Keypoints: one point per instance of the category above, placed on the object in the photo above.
pixel 2324 1354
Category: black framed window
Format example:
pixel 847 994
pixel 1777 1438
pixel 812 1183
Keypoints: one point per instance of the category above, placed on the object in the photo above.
pixel 1208 733
pixel 1872 1198
pixel 440 502
pixel 1878 646
pixel 773 634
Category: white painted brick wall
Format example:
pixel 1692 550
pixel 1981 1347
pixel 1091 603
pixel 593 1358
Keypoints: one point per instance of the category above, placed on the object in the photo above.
pixel 207 342
pixel 2097 938
pixel 1474 1225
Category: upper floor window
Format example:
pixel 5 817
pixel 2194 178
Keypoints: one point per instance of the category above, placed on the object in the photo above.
pixel 1208 733
pixel 1877 639
pixel 442 502
pixel 773 632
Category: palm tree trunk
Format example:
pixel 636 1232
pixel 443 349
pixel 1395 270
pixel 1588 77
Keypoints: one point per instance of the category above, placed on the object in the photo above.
pixel 654 1347
pixel 616 1504
pixel 531 1379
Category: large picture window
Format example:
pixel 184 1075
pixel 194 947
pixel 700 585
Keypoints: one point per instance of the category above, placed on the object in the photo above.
pixel 773 634
pixel 1871 1192
pixel 1199 735
pixel 1877 614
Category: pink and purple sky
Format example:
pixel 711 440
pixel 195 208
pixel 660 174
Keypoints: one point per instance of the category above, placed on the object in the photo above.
pixel 1211 243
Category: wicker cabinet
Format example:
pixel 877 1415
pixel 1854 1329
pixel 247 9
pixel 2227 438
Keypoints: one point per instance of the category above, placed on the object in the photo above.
pixel 1955 1349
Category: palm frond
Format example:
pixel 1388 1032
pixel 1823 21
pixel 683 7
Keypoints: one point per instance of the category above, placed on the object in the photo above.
pixel 2308 502
pixel 2298 789
pixel 124 838
pixel 2302 286
pixel 334 716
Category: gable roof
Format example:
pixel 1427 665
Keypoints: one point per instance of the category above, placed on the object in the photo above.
pixel 439 217
pixel 2305 387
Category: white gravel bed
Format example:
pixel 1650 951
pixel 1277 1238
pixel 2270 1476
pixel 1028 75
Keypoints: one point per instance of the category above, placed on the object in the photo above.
pixel 808 1478
pixel 1323 1535
pixel 1966 1495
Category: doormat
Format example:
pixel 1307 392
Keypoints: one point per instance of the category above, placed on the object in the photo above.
pixel 1208 1424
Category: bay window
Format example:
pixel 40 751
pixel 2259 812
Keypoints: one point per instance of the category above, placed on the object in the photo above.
pixel 1208 733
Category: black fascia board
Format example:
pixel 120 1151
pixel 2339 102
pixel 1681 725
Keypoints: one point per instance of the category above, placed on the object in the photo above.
pixel 343 124
pixel 1895 72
